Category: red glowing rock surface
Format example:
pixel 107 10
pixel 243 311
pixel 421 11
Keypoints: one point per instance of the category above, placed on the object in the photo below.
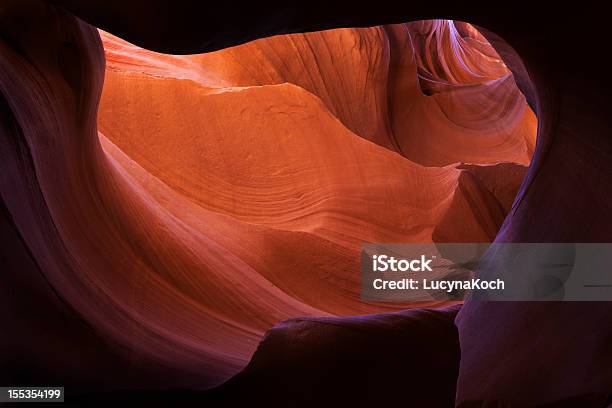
pixel 256 178
pixel 215 195
pixel 125 272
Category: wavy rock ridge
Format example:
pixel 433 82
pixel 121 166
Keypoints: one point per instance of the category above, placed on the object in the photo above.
pixel 229 191
pixel 265 144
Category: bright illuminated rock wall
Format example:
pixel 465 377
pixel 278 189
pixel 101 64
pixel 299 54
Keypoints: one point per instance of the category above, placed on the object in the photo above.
pixel 164 220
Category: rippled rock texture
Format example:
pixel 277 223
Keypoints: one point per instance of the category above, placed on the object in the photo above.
pixel 164 210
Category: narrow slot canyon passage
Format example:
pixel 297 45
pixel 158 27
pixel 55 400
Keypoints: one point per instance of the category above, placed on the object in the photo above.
pixel 188 214
pixel 270 163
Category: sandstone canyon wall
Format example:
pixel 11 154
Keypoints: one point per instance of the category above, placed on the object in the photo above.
pixel 166 210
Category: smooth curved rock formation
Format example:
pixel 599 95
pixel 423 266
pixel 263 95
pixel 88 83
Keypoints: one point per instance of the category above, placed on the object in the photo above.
pixel 172 261
pixel 410 355
pixel 215 202
pixel 372 80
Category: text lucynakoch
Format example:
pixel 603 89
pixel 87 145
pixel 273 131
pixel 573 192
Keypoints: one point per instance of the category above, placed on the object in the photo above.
pixel 444 285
